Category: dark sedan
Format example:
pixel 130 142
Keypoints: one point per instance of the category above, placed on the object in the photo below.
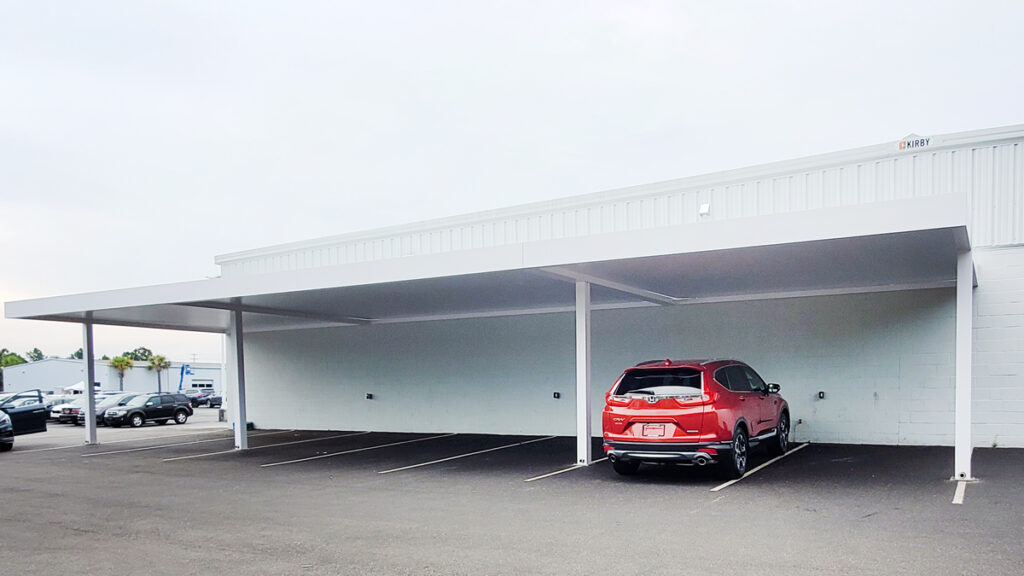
pixel 104 405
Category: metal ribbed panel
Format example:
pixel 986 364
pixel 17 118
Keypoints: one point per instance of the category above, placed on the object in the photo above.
pixel 991 178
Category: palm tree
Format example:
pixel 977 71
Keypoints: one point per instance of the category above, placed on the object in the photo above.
pixel 122 364
pixel 158 363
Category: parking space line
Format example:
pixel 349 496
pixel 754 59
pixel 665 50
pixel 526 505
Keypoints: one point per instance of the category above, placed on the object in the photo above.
pixel 121 441
pixel 465 455
pixel 958 496
pixel 267 446
pixel 353 451
pixel 180 444
pixel 765 465
pixel 569 469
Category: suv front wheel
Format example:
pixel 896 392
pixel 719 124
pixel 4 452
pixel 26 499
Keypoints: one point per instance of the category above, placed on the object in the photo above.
pixel 780 444
pixel 136 420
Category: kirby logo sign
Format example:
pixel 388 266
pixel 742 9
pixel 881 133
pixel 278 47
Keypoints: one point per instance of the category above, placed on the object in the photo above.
pixel 914 141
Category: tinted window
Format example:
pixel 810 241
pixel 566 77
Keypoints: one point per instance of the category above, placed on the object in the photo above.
pixel 755 381
pixel 155 400
pixel 659 381
pixel 738 381
pixel 722 375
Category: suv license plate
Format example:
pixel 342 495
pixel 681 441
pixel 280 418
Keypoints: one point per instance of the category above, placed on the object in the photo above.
pixel 657 430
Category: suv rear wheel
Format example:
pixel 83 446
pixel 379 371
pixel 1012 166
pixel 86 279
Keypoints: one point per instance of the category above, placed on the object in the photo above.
pixel 626 467
pixel 180 417
pixel 735 465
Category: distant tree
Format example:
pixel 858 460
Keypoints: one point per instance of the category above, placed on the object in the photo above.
pixel 8 358
pixel 140 354
pixel 35 355
pixel 122 365
pixel 105 357
pixel 3 352
pixel 158 363
pixel 77 355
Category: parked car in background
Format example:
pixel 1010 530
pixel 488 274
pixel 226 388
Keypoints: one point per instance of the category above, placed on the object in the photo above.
pixel 103 405
pixel 194 396
pixel 56 400
pixel 159 408
pixel 68 413
pixel 21 413
pixel 214 400
pixel 692 412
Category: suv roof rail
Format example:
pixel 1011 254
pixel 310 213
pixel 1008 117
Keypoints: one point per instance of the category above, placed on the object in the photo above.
pixel 652 362
pixel 710 360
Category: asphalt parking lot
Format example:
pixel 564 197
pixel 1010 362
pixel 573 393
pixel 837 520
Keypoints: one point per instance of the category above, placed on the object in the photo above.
pixel 304 502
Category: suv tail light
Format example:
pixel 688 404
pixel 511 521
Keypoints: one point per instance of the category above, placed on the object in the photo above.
pixel 612 400
pixel 693 400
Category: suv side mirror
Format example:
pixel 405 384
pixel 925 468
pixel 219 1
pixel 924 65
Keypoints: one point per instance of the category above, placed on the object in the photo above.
pixel 774 388
pixel 149 403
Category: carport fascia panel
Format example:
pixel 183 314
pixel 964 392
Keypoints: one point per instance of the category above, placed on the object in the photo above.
pixel 887 217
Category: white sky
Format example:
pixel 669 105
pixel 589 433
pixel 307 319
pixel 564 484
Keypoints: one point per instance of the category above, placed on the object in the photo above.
pixel 140 139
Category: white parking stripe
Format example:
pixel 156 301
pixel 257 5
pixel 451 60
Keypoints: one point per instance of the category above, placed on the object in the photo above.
pixel 765 465
pixel 317 457
pixel 180 444
pixel 267 446
pixel 465 455
pixel 569 469
pixel 120 441
pixel 958 496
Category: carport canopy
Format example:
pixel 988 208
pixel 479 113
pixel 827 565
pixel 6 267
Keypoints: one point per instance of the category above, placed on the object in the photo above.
pixel 895 245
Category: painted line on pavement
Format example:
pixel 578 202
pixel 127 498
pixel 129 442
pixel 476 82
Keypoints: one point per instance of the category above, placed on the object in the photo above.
pixel 122 441
pixel 958 496
pixel 267 446
pixel 465 455
pixel 144 448
pixel 569 469
pixel 765 465
pixel 353 451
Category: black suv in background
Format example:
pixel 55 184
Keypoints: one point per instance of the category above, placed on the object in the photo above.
pixel 159 408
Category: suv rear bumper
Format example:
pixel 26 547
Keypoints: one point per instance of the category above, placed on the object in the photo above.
pixel 699 453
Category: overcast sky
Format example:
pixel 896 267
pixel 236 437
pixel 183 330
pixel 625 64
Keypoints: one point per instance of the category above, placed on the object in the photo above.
pixel 138 140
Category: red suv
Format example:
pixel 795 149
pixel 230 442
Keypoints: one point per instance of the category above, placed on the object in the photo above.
pixel 692 412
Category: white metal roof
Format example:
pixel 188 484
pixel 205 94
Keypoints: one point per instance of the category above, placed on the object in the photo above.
pixel 983 166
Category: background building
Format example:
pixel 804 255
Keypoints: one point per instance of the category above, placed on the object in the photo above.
pixel 58 373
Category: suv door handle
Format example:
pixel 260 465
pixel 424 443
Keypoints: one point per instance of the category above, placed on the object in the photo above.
pixel 743 398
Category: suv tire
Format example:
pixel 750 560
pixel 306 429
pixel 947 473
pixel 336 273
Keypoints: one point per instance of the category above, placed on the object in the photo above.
pixel 735 466
pixel 180 417
pixel 626 467
pixel 136 420
pixel 780 444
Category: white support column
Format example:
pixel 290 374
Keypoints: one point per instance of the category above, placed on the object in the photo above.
pixel 964 342
pixel 90 378
pixel 583 441
pixel 236 380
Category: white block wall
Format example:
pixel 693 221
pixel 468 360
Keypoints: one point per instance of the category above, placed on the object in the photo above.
pixel 999 347
pixel 884 361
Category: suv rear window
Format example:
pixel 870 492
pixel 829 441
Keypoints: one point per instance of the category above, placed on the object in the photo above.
pixel 659 381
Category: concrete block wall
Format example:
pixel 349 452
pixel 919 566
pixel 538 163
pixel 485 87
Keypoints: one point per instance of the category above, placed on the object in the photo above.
pixel 884 361
pixel 999 347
